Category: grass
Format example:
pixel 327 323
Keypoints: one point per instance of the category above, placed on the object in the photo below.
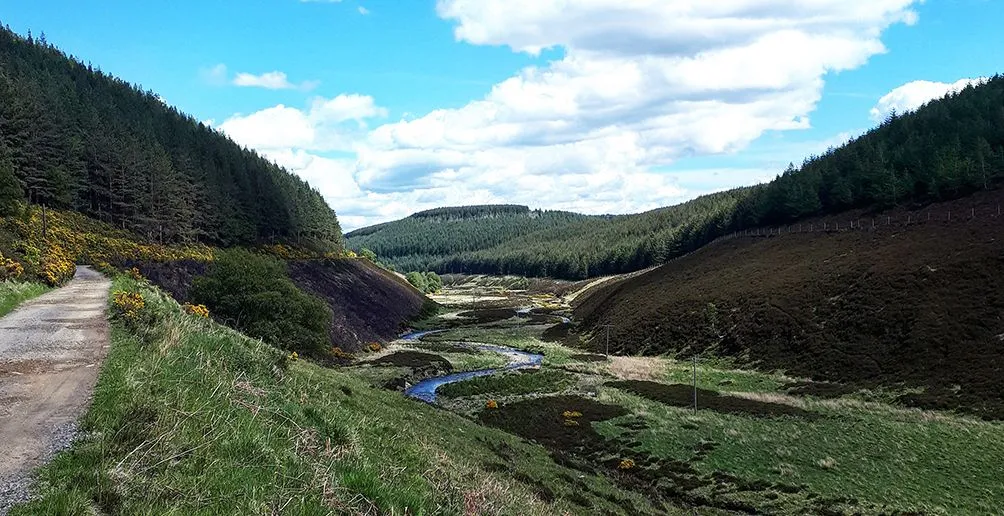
pixel 515 383
pixel 525 338
pixel 909 459
pixel 189 417
pixel 712 376
pixel 13 293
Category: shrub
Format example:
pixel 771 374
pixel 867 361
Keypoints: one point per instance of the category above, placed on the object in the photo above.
pixel 417 280
pixel 433 283
pixel 253 293
pixel 196 310
pixel 626 464
pixel 135 274
pixel 491 404
pixel 128 305
pixel 10 269
pixel 374 347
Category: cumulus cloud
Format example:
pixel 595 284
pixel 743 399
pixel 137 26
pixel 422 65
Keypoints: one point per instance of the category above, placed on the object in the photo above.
pixel 639 84
pixel 320 127
pixel 913 95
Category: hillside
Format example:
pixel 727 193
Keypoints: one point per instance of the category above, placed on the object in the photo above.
pixel 427 239
pixel 946 150
pixel 912 306
pixel 537 243
pixel 74 138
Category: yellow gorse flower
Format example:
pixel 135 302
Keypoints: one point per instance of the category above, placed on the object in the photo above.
pixel 128 304
pixel 196 310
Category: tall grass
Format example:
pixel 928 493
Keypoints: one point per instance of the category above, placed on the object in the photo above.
pixel 194 418
pixel 13 293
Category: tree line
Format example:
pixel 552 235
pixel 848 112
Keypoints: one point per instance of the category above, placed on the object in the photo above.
pixel 947 149
pixel 73 137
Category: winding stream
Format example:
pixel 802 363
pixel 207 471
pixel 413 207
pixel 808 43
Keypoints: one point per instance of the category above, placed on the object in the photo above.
pixel 426 389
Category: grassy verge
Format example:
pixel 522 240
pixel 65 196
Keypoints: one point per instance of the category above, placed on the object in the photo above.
pixel 516 383
pixel 13 293
pixel 193 418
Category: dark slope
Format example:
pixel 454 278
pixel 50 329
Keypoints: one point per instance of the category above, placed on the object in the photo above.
pixel 946 150
pixel 74 138
pixel 368 304
pixel 918 305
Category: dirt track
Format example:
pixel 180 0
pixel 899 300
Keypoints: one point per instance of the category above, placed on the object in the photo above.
pixel 50 352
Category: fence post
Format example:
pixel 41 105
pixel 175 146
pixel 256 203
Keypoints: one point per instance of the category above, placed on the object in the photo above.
pixel 949 215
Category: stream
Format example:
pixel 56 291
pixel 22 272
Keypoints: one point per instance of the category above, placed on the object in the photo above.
pixel 426 389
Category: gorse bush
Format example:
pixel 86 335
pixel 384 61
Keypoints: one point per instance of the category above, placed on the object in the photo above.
pixel 253 293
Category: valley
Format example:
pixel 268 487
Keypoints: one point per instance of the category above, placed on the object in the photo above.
pixel 755 444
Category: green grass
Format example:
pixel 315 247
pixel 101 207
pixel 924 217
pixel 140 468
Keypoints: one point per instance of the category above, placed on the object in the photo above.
pixel 189 417
pixel 13 293
pixel 908 459
pixel 722 377
pixel 514 383
pixel 524 338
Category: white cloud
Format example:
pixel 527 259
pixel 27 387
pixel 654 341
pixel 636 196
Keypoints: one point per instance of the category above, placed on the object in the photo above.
pixel 363 11
pixel 913 95
pixel 320 127
pixel 639 84
pixel 271 80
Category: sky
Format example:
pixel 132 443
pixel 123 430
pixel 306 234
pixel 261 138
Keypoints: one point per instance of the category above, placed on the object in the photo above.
pixel 389 107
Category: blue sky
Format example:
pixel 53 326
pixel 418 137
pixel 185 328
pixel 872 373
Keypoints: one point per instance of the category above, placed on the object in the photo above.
pixel 389 107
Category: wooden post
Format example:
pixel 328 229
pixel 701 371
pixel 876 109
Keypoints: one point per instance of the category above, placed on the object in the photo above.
pixel 695 384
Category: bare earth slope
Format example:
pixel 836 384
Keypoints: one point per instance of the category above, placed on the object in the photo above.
pixel 50 352
pixel 904 305
pixel 369 304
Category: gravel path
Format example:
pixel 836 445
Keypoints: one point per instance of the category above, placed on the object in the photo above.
pixel 50 352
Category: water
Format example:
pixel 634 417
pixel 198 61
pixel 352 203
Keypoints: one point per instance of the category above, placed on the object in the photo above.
pixel 426 389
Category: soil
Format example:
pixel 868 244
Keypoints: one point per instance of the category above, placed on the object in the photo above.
pixel 679 395
pixel 51 349
pixel 899 306
pixel 589 357
pixel 487 315
pixel 825 390
pixel 174 278
pixel 562 334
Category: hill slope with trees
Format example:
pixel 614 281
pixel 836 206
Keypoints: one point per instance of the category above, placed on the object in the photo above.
pixel 74 138
pixel 950 148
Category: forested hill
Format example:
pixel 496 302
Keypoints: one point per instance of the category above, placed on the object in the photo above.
pixel 947 149
pixel 426 239
pixel 72 137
